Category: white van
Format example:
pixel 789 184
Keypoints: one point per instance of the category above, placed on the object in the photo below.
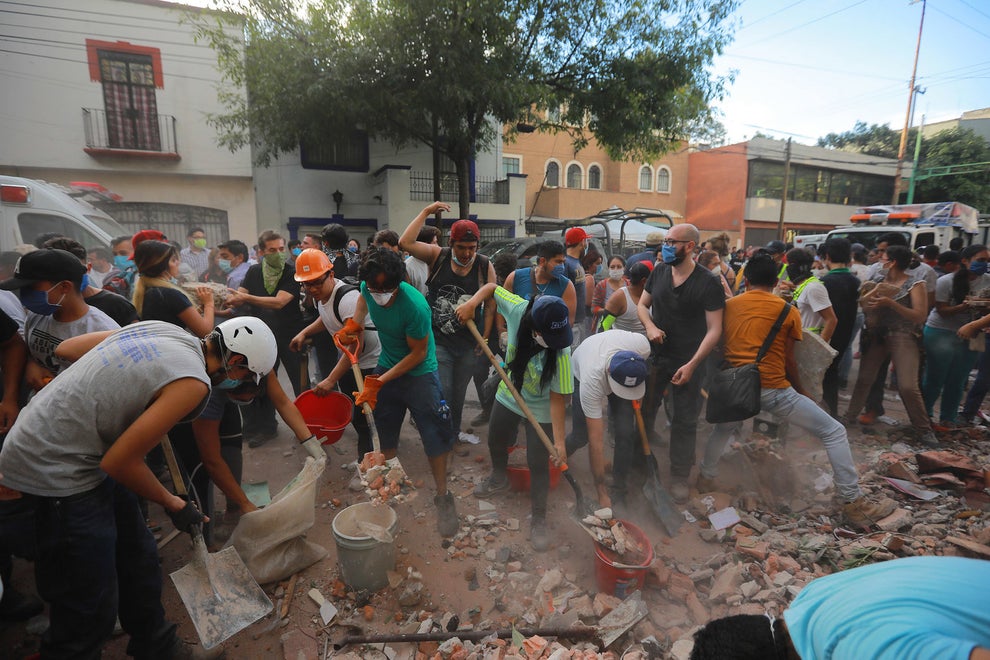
pixel 29 207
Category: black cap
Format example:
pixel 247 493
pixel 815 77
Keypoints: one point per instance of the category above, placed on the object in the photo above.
pixel 47 265
pixel 776 247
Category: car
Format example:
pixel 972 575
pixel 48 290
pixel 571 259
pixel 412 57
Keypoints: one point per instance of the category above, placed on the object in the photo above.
pixel 525 247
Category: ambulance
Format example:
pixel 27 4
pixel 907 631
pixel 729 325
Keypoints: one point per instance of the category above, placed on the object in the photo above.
pixel 933 223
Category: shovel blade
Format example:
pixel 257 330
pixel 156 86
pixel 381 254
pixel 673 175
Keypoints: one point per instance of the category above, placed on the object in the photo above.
pixel 660 500
pixel 221 596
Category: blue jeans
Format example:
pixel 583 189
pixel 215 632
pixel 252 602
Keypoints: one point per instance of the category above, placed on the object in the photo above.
pixel 421 396
pixel 974 399
pixel 805 414
pixel 846 359
pixel 947 368
pixel 455 368
pixel 95 560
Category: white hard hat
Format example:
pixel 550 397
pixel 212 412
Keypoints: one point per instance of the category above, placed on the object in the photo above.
pixel 250 337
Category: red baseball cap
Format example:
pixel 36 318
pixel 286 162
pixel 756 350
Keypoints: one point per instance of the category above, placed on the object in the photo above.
pixel 464 230
pixel 575 235
pixel 145 235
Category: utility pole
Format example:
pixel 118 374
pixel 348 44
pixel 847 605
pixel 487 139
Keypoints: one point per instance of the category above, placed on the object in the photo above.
pixel 907 118
pixel 914 166
pixel 783 198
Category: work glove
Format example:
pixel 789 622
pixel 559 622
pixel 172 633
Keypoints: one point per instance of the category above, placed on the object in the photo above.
pixel 185 518
pixel 370 394
pixel 313 447
pixel 350 333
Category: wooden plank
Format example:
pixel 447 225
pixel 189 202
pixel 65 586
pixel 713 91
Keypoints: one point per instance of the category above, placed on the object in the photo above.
pixel 970 545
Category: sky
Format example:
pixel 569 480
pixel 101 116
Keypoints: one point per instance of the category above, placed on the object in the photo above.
pixel 806 68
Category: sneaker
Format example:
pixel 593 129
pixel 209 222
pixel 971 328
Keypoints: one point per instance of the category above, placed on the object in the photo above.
pixel 495 483
pixel 929 440
pixel 680 490
pixel 481 418
pixel 706 484
pixel 539 535
pixel 867 419
pixel 446 514
pixel 889 421
pixel 18 606
pixel 864 513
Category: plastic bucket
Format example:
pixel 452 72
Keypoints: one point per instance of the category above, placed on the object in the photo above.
pixel 620 582
pixel 364 561
pixel 519 476
pixel 325 417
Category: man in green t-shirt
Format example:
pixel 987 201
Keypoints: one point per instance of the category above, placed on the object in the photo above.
pixel 406 377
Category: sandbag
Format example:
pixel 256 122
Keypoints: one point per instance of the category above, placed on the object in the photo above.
pixel 271 541
pixel 813 356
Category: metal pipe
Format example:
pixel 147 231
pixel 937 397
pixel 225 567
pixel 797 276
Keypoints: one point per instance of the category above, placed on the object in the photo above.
pixel 577 632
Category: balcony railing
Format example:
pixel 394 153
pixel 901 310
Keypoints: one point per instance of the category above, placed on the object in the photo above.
pixel 487 190
pixel 129 130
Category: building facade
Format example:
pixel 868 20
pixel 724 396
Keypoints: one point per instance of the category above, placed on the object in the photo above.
pixel 116 92
pixel 739 188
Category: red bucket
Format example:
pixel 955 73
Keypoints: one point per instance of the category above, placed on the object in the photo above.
pixel 620 582
pixel 519 476
pixel 325 416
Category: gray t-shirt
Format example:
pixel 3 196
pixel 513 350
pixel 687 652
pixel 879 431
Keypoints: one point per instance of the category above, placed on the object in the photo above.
pixel 943 294
pixel 43 334
pixel 59 439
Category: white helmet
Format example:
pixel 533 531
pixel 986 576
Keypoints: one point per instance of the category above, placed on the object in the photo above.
pixel 250 337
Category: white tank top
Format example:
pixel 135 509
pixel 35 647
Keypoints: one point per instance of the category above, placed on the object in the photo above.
pixel 629 319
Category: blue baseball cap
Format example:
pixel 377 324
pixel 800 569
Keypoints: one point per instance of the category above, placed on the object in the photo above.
pixel 627 371
pixel 552 319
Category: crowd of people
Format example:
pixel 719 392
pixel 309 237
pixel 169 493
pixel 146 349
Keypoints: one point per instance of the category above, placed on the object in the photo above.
pixel 118 347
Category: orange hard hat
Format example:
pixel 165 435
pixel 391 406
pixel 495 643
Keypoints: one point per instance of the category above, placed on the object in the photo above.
pixel 310 264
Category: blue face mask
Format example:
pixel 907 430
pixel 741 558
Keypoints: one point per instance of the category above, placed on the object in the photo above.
pixel 559 271
pixel 978 268
pixel 669 255
pixel 296 252
pixel 225 265
pixel 122 262
pixel 37 301
pixel 352 248
pixel 85 282
pixel 228 384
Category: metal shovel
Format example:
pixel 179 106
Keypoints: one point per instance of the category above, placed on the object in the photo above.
pixel 659 499
pixel 219 593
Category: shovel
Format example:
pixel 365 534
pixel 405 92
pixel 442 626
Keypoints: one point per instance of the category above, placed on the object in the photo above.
pixel 582 506
pixel 219 593
pixel 656 495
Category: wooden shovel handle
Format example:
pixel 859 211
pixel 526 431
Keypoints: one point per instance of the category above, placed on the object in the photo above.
pixel 173 467
pixel 637 407
pixel 359 379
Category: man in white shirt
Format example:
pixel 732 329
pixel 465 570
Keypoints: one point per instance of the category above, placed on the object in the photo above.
pixel 196 255
pixel 610 369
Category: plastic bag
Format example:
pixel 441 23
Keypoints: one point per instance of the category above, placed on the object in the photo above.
pixel 813 356
pixel 271 541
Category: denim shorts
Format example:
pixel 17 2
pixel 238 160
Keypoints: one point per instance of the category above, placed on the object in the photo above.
pixel 422 396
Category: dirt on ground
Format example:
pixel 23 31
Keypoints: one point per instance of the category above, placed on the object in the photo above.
pixel 471 580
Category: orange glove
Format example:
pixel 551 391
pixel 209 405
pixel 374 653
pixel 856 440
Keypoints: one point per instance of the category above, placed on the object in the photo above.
pixel 350 333
pixel 370 394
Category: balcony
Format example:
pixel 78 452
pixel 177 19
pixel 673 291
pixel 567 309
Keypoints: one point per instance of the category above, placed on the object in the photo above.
pixel 129 133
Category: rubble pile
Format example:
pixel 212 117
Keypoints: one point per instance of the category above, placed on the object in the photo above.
pixel 382 479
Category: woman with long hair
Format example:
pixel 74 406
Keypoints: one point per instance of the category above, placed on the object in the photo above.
pixel 895 310
pixel 710 260
pixel 620 310
pixel 949 358
pixel 538 362
pixel 614 280
pixel 158 298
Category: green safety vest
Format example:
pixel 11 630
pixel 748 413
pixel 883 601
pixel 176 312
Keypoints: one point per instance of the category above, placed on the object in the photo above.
pixel 797 294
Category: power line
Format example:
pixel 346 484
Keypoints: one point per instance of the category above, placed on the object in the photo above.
pixel 770 15
pixel 812 21
pixel 962 23
pixel 975 9
pixel 66 59
pixel 813 68
pixel 76 47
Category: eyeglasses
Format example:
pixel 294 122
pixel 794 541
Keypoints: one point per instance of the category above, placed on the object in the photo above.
pixel 315 284
pixel 673 241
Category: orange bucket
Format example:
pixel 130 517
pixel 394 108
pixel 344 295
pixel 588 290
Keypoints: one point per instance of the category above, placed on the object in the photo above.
pixel 325 416
pixel 620 582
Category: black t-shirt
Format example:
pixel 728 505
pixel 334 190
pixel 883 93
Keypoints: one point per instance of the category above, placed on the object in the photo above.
pixel 281 321
pixel 444 292
pixel 843 292
pixel 164 304
pixel 8 327
pixel 680 312
pixel 115 306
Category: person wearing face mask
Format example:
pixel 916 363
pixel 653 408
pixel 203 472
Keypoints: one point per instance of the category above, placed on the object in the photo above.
pixel 454 271
pixel 406 377
pixel 196 255
pixel 122 282
pixel 233 261
pixel 116 307
pixel 711 260
pixel 609 285
pixel 843 292
pixel 949 357
pixel 157 297
pixel 547 278
pixel 575 246
pixel 681 309
pixel 94 555
pixel 621 310
pixel 353 246
pixel 809 295
pixel 538 361
pixel 49 283
pixel 270 292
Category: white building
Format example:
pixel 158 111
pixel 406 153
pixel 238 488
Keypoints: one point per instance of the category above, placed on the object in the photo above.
pixel 117 92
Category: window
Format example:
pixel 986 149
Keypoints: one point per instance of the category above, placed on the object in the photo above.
pixel 663 180
pixel 553 175
pixel 347 152
pixel 34 224
pixel 813 184
pixel 574 175
pixel 645 178
pixel 595 177
pixel 129 100
pixel 511 165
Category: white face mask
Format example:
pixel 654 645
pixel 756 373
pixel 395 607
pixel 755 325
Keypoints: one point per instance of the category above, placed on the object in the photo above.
pixel 539 340
pixel 716 269
pixel 615 273
pixel 382 299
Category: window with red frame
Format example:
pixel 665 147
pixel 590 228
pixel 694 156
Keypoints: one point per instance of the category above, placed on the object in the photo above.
pixel 129 100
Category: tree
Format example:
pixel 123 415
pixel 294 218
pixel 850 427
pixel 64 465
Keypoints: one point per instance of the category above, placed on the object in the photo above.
pixel 948 147
pixel 451 73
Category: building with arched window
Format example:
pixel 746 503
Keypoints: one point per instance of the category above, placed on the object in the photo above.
pixel 663 179
pixel 594 177
pixel 552 174
pixel 574 176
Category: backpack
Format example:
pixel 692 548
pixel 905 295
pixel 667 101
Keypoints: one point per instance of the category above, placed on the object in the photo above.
pixel 338 295
pixel 444 258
